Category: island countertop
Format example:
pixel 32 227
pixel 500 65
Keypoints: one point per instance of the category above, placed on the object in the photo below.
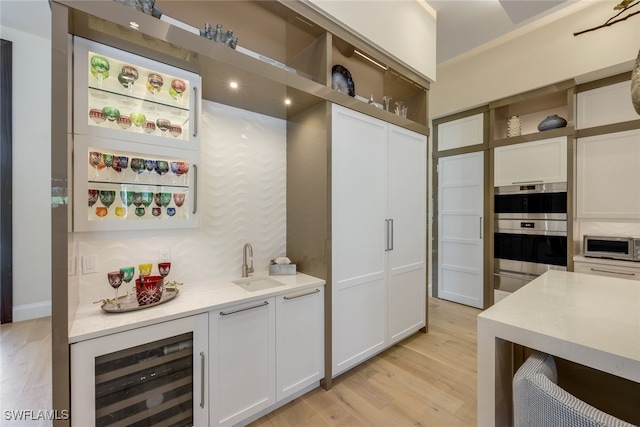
pixel 90 321
pixel 587 319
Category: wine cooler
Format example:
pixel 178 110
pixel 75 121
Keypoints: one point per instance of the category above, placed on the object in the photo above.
pixel 160 382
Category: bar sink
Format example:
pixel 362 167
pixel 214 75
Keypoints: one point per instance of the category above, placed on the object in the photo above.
pixel 253 284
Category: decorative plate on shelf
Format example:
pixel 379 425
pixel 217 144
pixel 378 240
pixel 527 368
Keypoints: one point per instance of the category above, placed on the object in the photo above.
pixel 342 81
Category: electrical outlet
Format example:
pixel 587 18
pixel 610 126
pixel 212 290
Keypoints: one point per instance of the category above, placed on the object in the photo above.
pixel 89 264
pixel 72 266
pixel 164 255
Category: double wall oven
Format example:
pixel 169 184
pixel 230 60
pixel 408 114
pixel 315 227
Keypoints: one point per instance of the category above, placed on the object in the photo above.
pixel 530 233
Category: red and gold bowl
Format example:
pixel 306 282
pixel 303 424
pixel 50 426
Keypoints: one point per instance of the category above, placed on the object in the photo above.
pixel 149 289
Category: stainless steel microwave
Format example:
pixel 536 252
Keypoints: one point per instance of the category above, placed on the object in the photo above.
pixel 624 248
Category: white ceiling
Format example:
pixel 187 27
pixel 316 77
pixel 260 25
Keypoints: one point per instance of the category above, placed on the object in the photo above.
pixel 465 24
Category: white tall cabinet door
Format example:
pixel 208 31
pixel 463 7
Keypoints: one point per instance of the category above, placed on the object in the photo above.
pixel 406 195
pixel 607 175
pixel 358 237
pixel 299 340
pixel 243 361
pixel 460 225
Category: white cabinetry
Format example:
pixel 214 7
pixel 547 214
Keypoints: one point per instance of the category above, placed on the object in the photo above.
pixel 163 377
pixel 608 170
pixel 461 132
pixel 608 268
pixel 605 105
pixel 243 361
pixel 299 341
pixel 378 170
pixel 532 162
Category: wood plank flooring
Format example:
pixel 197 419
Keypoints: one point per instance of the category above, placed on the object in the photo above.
pixel 425 380
pixel 25 369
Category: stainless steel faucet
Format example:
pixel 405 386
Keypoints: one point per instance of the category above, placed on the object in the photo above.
pixel 245 268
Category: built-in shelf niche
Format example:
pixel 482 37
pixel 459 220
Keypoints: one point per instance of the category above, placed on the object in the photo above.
pixel 373 78
pixel 532 108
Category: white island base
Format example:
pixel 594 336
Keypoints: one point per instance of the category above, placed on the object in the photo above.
pixel 590 320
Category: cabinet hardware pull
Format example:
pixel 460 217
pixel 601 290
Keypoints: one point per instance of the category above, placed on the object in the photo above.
pixel 226 313
pixel 386 235
pixel 303 295
pixel 196 111
pixel 202 380
pixel 481 237
pixel 391 240
pixel 195 189
pixel 528 182
pixel 613 272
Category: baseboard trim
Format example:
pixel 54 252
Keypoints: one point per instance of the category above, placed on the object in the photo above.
pixel 31 311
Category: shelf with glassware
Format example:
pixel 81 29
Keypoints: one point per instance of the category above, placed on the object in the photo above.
pixel 124 96
pixel 122 185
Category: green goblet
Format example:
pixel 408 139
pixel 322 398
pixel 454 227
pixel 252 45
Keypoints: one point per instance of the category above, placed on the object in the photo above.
pixel 127 275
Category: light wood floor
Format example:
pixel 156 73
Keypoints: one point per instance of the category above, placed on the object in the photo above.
pixel 426 380
pixel 25 369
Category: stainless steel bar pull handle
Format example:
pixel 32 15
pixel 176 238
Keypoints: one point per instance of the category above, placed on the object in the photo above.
pixel 528 182
pixel 195 189
pixel 226 313
pixel 386 236
pixel 202 379
pixel 315 291
pixel 391 240
pixel 481 237
pixel 196 111
pixel 622 273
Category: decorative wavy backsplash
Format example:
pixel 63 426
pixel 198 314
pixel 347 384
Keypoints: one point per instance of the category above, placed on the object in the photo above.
pixel 242 179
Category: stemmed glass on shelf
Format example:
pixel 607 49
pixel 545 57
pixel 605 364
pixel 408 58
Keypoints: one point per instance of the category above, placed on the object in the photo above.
pixel 95 160
pixel 93 199
pixel 108 162
pixel 115 280
pixel 138 166
pixel 150 165
pixel 162 167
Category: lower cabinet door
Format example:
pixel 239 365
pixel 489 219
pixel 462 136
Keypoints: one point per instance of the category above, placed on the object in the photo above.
pixel 299 340
pixel 146 376
pixel 243 361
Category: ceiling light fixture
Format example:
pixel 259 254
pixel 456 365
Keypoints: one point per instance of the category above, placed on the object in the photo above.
pixel 287 101
pixel 368 58
pixel 134 25
pixel 233 85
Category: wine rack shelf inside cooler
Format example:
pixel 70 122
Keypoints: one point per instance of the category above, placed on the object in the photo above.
pixel 151 384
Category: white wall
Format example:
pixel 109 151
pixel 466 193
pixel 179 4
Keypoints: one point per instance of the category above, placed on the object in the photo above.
pixel 537 57
pixel 242 199
pixel 404 29
pixel 31 156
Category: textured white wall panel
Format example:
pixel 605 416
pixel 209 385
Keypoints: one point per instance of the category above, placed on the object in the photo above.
pixel 242 198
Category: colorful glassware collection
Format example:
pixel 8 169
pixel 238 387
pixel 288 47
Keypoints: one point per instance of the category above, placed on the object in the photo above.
pixel 138 165
pixel 100 67
pixel 148 289
pixel 140 200
pixel 139 119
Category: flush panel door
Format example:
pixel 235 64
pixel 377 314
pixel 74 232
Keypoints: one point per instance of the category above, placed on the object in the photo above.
pixel 531 162
pixel 358 237
pixel 406 285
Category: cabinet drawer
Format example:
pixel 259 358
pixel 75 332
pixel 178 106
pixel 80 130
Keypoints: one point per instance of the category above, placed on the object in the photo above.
pixel 607 270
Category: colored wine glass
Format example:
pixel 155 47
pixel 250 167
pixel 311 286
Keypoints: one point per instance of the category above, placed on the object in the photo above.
pixel 154 83
pixel 163 125
pixel 115 280
pixel 178 198
pixel 121 212
pixel 145 269
pixel 124 122
pixel 95 159
pixel 138 166
pixel 108 162
pixel 112 114
pixel 177 88
pixel 128 76
pixel 175 170
pixel 164 268
pixel 99 68
pixel 156 212
pixel 123 163
pixel 150 166
pixel 175 130
pixel 149 126
pixel 138 119
pixel 97 116
pixel 146 198
pixel 183 169
pixel 162 167
pixel 107 197
pixel 127 275
pixel 93 199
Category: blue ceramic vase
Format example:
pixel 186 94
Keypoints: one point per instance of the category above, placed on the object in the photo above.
pixel 552 122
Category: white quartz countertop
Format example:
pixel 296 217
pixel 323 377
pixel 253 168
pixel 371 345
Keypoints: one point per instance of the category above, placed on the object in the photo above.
pixel 90 321
pixel 588 319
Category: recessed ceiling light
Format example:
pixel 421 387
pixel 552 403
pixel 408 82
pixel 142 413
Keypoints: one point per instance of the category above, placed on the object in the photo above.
pixel 134 25
pixel 233 85
pixel 287 101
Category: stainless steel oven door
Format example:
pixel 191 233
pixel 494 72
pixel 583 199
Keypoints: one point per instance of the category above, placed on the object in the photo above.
pixel 525 249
